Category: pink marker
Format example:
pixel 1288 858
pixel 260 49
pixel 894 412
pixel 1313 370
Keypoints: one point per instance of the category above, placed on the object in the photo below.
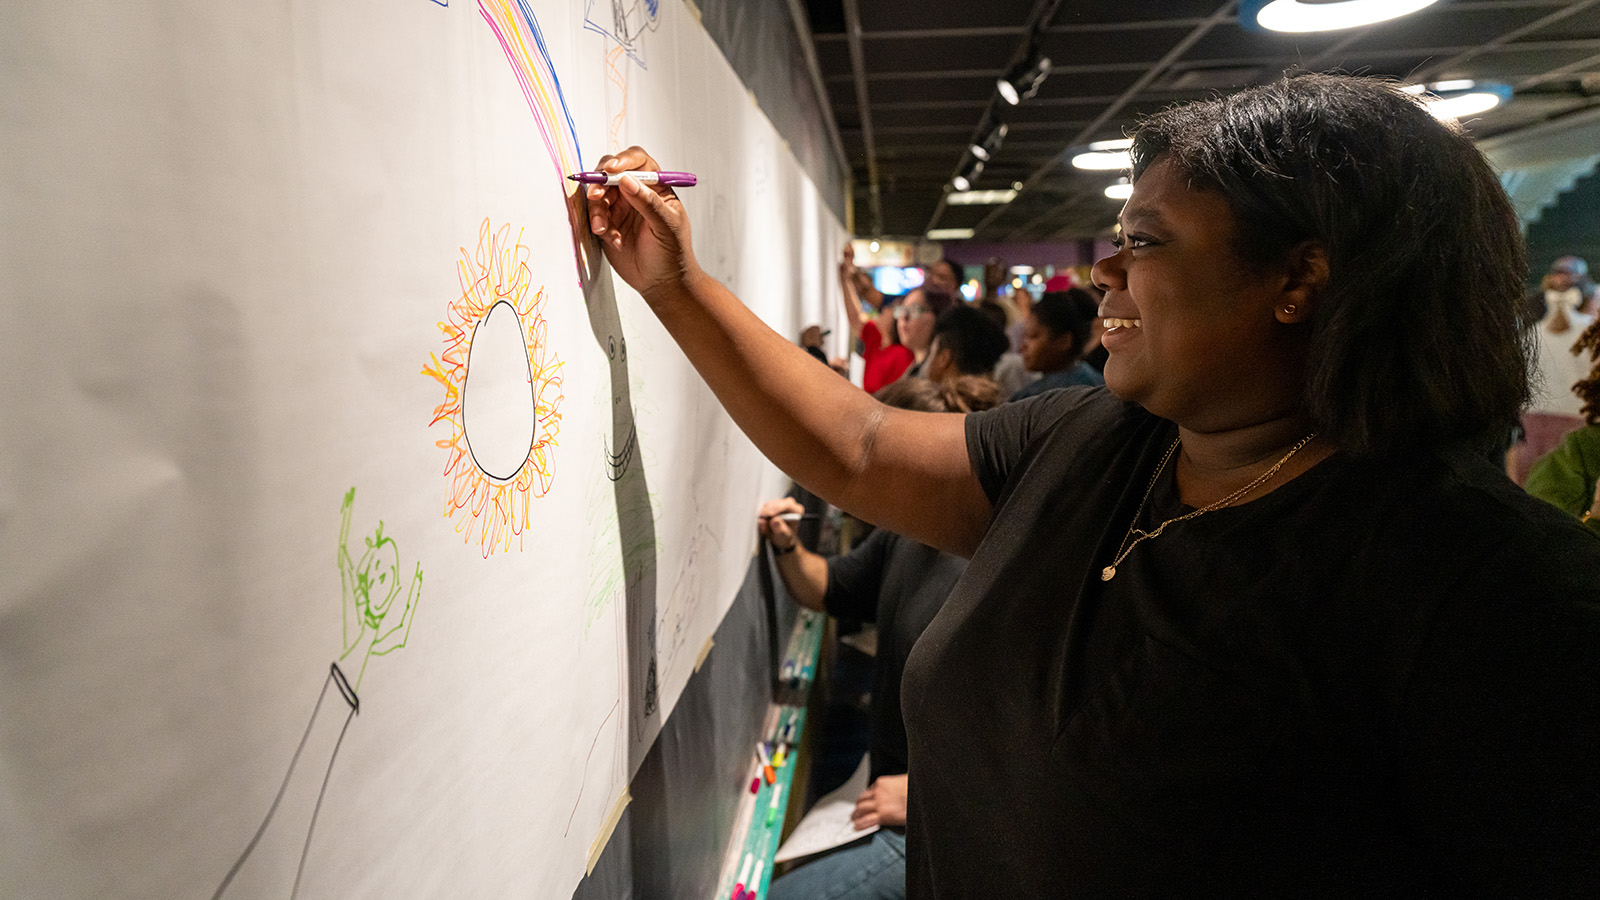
pixel 744 875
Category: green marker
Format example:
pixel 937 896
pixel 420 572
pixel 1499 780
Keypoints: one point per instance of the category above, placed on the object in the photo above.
pixel 772 808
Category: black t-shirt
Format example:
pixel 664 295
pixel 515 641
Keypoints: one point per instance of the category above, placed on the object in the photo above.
pixel 1382 679
pixel 898 584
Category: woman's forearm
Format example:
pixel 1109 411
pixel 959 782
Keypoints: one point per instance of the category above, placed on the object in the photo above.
pixel 906 471
pixel 805 574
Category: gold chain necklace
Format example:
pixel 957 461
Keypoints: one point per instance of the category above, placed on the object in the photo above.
pixel 1110 572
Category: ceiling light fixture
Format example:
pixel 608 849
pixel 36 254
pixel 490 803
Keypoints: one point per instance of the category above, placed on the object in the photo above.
pixel 979 198
pixel 1460 97
pixel 950 234
pixel 989 145
pixel 969 173
pixel 1301 16
pixel 1104 156
pixel 1122 190
pixel 1022 80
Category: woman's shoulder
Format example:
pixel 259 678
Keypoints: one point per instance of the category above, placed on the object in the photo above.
pixel 1054 433
pixel 1456 515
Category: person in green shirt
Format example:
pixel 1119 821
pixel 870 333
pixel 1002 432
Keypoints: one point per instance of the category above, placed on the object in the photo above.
pixel 1569 475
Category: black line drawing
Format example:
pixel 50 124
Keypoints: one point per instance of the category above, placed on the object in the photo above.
pixel 335 677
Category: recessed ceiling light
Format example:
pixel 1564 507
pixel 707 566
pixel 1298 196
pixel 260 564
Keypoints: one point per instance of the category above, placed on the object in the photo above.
pixel 1104 155
pixel 1460 97
pixel 1301 16
pixel 950 234
pixel 979 198
pixel 1460 105
pixel 1119 191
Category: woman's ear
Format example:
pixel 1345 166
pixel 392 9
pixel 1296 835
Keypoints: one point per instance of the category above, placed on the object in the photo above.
pixel 1306 274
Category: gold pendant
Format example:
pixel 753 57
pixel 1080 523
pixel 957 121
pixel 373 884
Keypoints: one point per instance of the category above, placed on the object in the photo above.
pixel 1108 573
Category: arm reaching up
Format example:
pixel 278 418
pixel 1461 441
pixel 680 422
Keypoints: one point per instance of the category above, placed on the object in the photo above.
pixel 906 471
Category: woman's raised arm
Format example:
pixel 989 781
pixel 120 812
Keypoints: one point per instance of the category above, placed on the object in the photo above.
pixel 905 471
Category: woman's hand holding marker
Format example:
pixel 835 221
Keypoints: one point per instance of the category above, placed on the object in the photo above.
pixel 643 229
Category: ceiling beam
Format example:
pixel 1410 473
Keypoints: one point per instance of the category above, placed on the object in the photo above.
pixel 1081 28
pixel 858 67
pixel 1444 66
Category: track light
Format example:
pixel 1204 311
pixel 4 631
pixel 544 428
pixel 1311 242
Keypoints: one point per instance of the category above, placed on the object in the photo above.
pixel 969 173
pixel 1022 80
pixel 986 147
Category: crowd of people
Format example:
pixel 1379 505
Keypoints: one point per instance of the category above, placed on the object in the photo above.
pixel 1259 615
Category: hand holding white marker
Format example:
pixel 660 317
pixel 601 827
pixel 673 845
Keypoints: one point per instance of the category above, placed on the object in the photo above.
pixel 776 520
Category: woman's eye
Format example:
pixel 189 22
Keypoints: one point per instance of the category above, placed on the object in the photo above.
pixel 1131 241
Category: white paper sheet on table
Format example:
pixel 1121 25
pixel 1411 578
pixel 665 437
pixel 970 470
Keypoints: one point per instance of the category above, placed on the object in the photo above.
pixel 828 824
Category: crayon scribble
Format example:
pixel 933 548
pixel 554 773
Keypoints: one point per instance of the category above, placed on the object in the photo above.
pixel 490 511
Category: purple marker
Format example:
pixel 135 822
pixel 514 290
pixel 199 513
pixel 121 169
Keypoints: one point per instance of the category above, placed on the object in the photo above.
pixel 670 179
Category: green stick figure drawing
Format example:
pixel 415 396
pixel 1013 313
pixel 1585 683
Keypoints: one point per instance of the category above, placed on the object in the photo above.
pixel 371 585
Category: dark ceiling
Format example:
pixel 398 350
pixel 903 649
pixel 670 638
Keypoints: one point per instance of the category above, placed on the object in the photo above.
pixel 910 83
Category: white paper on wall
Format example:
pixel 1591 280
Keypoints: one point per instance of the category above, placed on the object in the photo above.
pixel 358 530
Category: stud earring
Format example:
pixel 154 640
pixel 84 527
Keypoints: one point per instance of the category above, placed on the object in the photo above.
pixel 1290 309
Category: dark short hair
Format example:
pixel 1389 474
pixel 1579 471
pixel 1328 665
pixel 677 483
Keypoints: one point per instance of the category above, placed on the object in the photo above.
pixel 992 308
pixel 966 393
pixel 1416 340
pixel 974 341
pixel 937 300
pixel 1071 311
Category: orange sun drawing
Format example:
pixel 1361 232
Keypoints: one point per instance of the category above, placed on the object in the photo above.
pixel 491 503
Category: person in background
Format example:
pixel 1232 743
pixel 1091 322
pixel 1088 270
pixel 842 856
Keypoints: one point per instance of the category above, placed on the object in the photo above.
pixel 1095 353
pixel 1257 620
pixel 965 342
pixel 882 352
pixel 1554 411
pixel 915 317
pixel 897 584
pixel 1568 285
pixel 1010 373
pixel 1569 476
pixel 944 276
pixel 811 339
pixel 1053 338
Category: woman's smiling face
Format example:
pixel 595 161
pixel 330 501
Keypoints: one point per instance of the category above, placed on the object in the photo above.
pixel 1195 333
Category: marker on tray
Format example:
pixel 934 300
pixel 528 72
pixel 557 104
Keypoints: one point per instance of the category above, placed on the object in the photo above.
pixel 670 179
pixel 772 807
pixel 766 764
pixel 755 880
pixel 744 875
